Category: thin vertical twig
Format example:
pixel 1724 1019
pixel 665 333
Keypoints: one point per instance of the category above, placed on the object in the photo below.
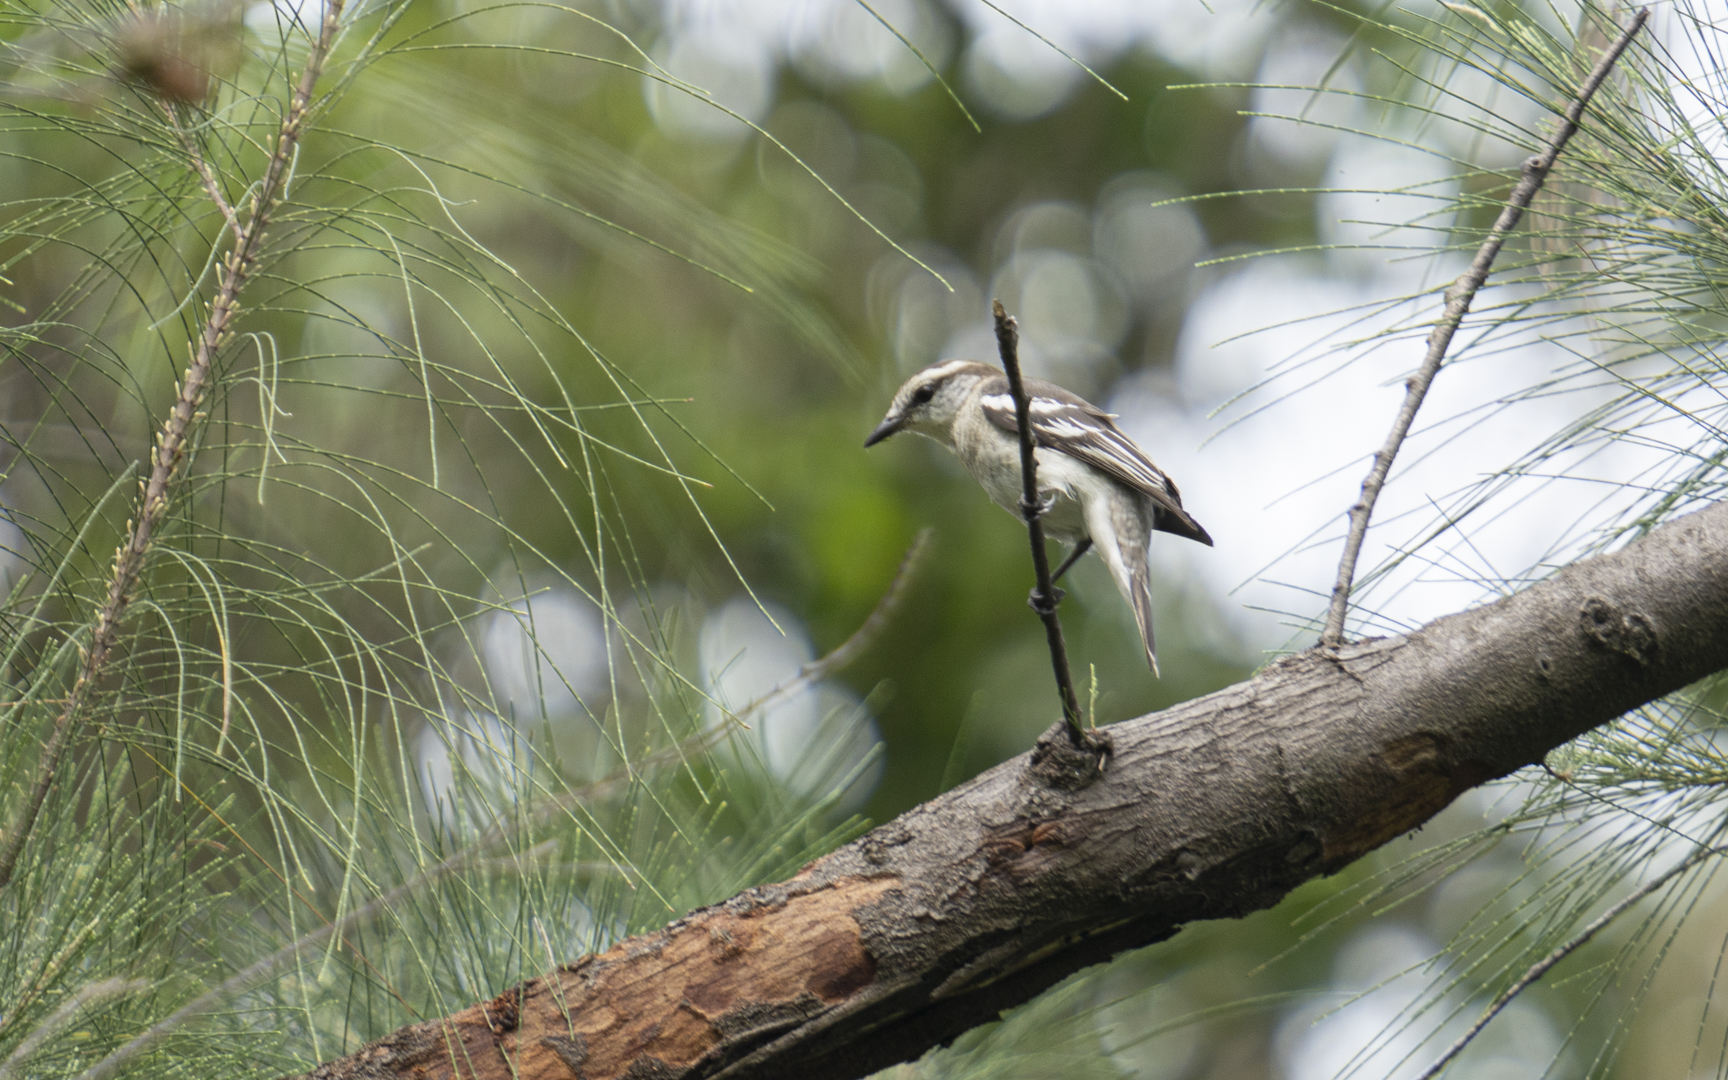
pixel 1572 945
pixel 1045 598
pixel 1458 297
pixel 175 433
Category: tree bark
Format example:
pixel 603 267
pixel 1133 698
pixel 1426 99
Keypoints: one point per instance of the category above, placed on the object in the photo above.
pixel 981 898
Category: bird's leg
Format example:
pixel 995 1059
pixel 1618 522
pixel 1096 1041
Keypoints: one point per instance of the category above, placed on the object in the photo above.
pixel 1073 557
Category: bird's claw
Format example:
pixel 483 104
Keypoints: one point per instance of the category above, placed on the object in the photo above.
pixel 1043 506
pixel 1036 601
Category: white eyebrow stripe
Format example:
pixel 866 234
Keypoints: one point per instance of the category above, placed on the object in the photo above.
pixel 945 368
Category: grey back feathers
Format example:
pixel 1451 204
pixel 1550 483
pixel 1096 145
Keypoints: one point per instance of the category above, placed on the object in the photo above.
pixel 1069 423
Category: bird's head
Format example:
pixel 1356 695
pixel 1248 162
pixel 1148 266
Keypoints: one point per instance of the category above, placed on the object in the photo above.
pixel 928 402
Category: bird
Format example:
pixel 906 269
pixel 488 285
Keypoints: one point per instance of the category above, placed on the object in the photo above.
pixel 1099 488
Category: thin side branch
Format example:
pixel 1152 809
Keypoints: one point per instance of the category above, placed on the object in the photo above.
pixel 172 440
pixel 202 167
pixel 1458 297
pixel 1045 598
pixel 861 638
pixel 1542 966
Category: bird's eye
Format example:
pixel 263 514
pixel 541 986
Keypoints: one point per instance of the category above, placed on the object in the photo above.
pixel 923 394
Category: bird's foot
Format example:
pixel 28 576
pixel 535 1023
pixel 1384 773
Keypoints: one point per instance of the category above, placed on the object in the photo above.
pixel 1029 510
pixel 1036 601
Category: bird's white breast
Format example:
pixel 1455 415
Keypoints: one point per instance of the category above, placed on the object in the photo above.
pixel 992 456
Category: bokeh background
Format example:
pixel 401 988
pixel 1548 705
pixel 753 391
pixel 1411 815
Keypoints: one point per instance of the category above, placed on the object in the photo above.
pixel 1225 223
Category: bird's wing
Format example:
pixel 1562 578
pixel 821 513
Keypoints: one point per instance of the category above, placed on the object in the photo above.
pixel 1071 424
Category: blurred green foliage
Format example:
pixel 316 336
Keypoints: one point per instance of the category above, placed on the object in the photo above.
pixel 785 401
pixel 541 374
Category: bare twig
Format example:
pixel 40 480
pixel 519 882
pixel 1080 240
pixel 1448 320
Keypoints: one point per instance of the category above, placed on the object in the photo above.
pixel 1458 298
pixel 172 440
pixel 259 970
pixel 1542 966
pixel 1045 598
pixel 860 639
pixel 818 669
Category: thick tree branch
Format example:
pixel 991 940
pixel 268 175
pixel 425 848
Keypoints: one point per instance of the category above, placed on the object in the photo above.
pixel 983 897
pixel 1458 298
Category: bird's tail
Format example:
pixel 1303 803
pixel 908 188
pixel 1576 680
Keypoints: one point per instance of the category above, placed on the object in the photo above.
pixel 1140 595
pixel 1179 522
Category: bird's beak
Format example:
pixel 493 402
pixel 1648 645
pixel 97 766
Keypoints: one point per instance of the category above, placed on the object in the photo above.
pixel 889 425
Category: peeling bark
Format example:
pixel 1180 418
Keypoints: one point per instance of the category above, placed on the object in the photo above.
pixel 983 897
